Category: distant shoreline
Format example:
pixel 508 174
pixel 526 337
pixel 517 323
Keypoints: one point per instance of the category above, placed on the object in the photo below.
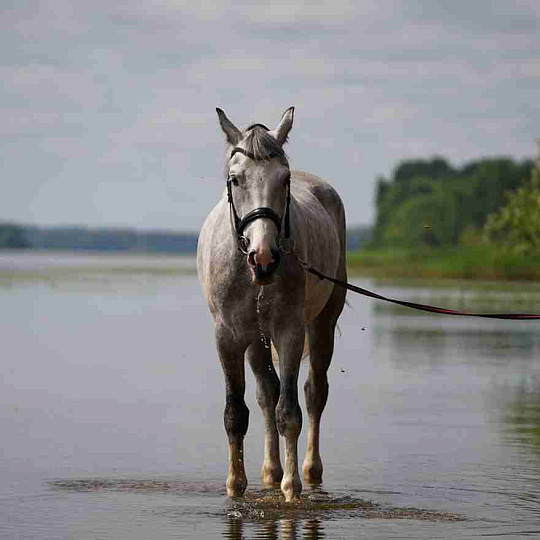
pixel 478 267
pixel 80 238
pixel 124 240
pixel 472 263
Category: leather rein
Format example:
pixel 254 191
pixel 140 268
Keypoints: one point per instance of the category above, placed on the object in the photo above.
pixel 414 305
pixel 286 244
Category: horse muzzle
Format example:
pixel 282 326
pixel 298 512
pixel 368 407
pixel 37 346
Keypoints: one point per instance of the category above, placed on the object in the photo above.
pixel 263 274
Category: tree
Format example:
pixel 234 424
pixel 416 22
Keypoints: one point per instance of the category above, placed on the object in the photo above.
pixel 516 226
pixel 436 168
pixel 429 202
pixel 427 219
pixel 12 236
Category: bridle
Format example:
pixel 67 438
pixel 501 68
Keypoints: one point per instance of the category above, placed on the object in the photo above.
pixel 285 242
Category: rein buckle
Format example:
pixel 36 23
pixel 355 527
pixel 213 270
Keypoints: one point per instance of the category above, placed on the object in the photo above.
pixel 286 244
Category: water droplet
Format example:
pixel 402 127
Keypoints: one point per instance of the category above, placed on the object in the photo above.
pixel 264 338
pixel 235 514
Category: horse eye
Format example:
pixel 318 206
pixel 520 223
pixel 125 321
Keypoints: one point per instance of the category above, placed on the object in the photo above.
pixel 233 180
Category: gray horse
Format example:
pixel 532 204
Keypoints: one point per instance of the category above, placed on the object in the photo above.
pixel 261 299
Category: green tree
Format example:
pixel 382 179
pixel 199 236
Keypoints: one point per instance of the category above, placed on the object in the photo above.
pixel 429 202
pixel 428 219
pixel 436 168
pixel 12 236
pixel 516 226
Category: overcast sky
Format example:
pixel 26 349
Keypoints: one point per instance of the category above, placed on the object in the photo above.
pixel 108 108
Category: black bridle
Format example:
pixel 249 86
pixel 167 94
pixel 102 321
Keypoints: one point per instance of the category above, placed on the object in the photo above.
pixel 262 212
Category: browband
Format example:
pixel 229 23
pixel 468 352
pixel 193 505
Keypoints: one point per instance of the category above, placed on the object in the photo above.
pixel 252 156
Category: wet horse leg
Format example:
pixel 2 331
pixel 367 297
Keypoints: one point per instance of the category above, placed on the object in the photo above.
pixel 321 348
pixel 260 359
pixel 236 416
pixel 289 343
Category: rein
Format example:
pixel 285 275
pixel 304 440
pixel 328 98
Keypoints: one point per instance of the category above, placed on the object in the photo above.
pixel 413 305
pixel 286 244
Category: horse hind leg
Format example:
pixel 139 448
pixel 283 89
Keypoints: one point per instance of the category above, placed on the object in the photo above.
pixel 260 360
pixel 321 348
pixel 236 415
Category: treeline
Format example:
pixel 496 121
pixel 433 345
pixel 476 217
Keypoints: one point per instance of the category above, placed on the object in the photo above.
pixel 14 236
pixel 358 237
pixel 88 239
pixel 429 202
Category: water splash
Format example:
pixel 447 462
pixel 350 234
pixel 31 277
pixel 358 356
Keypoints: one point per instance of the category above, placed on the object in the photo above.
pixel 264 337
pixel 318 505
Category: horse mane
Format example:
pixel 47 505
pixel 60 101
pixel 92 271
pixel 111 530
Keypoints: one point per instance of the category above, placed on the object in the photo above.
pixel 261 144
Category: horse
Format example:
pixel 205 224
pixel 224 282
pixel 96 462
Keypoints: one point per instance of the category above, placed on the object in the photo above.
pixel 268 219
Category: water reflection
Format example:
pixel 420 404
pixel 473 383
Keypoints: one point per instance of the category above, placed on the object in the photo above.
pixel 464 341
pixel 282 529
pixel 265 515
pixel 522 418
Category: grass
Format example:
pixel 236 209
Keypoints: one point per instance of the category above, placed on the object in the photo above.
pixel 471 263
pixel 480 264
pixel 55 275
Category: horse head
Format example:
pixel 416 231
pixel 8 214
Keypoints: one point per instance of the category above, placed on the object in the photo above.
pixel 258 188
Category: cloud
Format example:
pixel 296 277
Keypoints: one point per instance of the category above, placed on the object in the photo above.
pixel 112 106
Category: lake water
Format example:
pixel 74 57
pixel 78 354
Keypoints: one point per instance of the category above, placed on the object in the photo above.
pixel 111 403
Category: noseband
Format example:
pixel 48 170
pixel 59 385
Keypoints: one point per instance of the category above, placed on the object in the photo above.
pixel 262 212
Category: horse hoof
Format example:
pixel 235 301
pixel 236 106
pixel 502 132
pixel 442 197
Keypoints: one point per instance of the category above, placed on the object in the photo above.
pixel 235 493
pixel 236 488
pixel 312 472
pixel 291 489
pixel 271 475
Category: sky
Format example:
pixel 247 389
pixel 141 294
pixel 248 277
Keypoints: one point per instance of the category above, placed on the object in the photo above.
pixel 107 109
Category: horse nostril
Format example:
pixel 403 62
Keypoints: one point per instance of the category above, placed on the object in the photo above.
pixel 263 258
pixel 266 261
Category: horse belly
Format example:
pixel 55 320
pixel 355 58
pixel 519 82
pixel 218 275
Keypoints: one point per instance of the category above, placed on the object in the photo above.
pixel 324 255
pixel 318 293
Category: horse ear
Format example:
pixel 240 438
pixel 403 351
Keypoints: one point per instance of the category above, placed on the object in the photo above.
pixel 282 131
pixel 232 133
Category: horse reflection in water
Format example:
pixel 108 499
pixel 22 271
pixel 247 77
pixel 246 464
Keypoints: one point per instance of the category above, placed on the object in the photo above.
pixel 254 284
pixel 283 529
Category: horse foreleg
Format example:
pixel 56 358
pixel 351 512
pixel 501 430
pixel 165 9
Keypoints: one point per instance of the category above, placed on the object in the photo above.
pixel 290 345
pixel 260 359
pixel 236 416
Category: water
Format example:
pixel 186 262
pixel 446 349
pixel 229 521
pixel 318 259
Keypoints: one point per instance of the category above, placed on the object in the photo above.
pixel 111 403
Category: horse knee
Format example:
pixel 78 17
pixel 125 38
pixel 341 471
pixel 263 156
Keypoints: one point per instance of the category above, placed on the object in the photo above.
pixel 288 418
pixel 289 423
pixel 316 392
pixel 236 415
pixel 268 392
